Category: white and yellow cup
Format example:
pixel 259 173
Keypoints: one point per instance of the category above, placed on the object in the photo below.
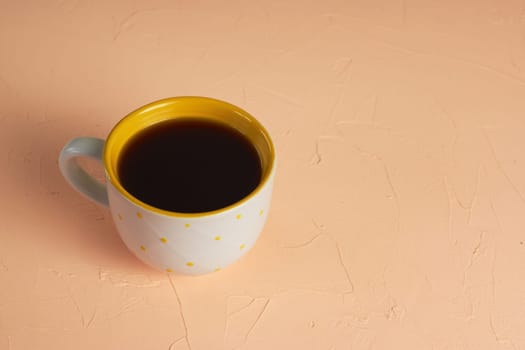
pixel 194 243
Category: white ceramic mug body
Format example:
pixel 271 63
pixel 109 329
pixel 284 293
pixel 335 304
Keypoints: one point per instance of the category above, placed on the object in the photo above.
pixel 194 243
pixel 190 245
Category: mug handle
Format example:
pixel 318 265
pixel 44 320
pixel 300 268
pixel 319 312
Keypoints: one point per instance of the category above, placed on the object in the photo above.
pixel 76 176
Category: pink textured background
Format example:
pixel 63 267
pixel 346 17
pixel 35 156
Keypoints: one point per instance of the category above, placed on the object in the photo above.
pixel 399 210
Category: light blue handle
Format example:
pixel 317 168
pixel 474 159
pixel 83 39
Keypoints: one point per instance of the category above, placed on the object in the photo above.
pixel 76 176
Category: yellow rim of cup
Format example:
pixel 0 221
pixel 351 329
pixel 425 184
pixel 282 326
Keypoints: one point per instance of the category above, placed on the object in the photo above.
pixel 187 107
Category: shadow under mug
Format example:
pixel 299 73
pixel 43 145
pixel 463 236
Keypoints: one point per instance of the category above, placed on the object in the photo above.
pixel 188 243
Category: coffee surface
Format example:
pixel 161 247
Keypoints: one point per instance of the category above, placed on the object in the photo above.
pixel 189 165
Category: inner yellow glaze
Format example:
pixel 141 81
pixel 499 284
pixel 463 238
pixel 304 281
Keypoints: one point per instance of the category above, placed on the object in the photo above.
pixel 187 107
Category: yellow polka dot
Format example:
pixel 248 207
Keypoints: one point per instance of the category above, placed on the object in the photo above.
pixel 164 240
pixel 169 270
pixel 187 225
pixel 217 238
pixel 239 216
pixel 139 215
pixel 142 248
pixel 261 212
pixel 217 269
pixel 119 216
pixel 189 263
pixel 242 246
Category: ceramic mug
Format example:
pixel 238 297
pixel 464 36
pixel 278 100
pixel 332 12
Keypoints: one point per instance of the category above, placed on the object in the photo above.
pixel 188 243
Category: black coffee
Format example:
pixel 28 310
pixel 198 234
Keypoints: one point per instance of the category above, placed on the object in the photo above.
pixel 189 165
